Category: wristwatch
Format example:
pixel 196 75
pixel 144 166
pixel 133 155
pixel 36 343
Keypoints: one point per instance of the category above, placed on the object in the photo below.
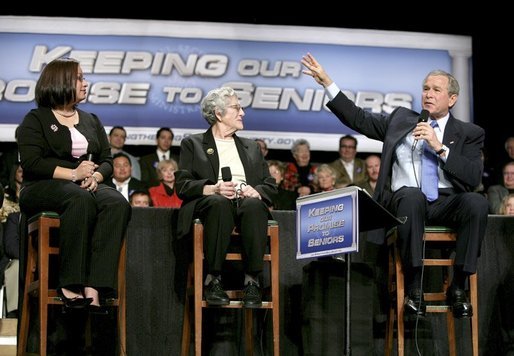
pixel 442 150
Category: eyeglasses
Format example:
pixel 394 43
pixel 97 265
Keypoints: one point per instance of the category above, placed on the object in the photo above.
pixel 347 146
pixel 235 106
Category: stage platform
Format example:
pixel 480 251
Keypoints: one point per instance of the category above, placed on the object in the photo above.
pixel 312 300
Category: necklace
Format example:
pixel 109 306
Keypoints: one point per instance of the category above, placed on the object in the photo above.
pixel 65 115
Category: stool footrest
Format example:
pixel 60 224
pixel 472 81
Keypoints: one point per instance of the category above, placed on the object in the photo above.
pixel 438 262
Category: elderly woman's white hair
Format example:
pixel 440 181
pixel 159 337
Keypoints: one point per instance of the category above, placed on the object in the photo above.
pixel 216 102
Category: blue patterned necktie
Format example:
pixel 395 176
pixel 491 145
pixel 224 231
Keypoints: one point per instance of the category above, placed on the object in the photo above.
pixel 429 178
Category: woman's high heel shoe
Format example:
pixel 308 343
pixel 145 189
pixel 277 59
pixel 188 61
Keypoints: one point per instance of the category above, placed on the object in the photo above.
pixel 75 302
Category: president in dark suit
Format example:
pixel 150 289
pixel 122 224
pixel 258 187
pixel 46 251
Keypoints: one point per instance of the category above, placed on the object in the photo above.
pixel 224 180
pixel 454 146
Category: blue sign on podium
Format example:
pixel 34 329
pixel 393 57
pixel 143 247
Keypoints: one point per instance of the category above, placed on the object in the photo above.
pixel 327 223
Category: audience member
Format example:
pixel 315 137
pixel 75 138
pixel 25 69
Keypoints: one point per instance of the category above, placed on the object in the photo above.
pixel 225 181
pixel 165 194
pixel 506 291
pixel 12 193
pixel 117 138
pixel 122 179
pixel 454 148
pixel 325 178
pixel 500 159
pixel 509 147
pixel 299 175
pixel 372 172
pixel 8 159
pixel 164 139
pixel 507 206
pixel 497 192
pixel 348 168
pixel 285 199
pixel 9 217
pixel 263 146
pixel 10 271
pixel 140 198
pixel 66 157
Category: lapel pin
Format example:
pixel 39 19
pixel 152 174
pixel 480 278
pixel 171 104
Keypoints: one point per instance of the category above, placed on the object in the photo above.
pixel 210 151
pixel 54 128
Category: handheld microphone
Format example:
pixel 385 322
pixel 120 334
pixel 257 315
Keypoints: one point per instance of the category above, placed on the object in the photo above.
pixel 423 117
pixel 89 156
pixel 226 174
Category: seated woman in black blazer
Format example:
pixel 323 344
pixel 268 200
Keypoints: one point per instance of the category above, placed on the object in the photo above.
pixel 224 180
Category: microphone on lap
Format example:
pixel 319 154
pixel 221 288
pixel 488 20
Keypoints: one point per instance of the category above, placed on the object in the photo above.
pixel 226 174
pixel 423 117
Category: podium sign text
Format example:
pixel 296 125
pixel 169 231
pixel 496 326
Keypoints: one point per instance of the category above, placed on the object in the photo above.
pixel 327 223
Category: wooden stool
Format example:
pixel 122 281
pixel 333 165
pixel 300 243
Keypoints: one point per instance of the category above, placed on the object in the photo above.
pixel 37 276
pixel 195 281
pixel 438 236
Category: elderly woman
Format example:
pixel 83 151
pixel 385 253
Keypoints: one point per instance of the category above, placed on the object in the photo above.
pixel 325 178
pixel 299 175
pixel 224 180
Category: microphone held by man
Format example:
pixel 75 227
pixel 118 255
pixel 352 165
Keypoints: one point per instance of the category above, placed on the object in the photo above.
pixel 423 117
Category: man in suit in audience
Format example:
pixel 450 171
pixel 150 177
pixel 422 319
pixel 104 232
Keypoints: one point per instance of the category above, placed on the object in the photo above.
pixel 348 168
pixel 455 147
pixel 117 137
pixel 164 139
pixel 122 179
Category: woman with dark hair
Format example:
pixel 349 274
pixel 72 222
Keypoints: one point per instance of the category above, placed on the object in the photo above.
pixel 66 157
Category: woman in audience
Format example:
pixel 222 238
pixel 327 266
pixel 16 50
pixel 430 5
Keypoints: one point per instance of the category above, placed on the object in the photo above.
pixel 165 195
pixel 507 206
pixel 286 199
pixel 325 178
pixel 299 175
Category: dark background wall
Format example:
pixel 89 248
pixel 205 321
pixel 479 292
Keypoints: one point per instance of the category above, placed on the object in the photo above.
pixel 485 25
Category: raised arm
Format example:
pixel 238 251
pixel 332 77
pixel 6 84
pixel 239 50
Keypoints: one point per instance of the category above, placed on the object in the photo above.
pixel 315 70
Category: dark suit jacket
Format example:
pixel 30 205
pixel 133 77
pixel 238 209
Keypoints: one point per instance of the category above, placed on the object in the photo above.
pixel 199 166
pixel 134 184
pixel 463 168
pixel 45 144
pixel 148 165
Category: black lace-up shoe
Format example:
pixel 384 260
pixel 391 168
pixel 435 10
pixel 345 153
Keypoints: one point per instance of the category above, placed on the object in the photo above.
pixel 458 301
pixel 415 303
pixel 214 293
pixel 252 296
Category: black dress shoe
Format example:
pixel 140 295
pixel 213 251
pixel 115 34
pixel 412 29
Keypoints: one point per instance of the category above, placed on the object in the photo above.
pixel 252 296
pixel 214 293
pixel 415 303
pixel 458 301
